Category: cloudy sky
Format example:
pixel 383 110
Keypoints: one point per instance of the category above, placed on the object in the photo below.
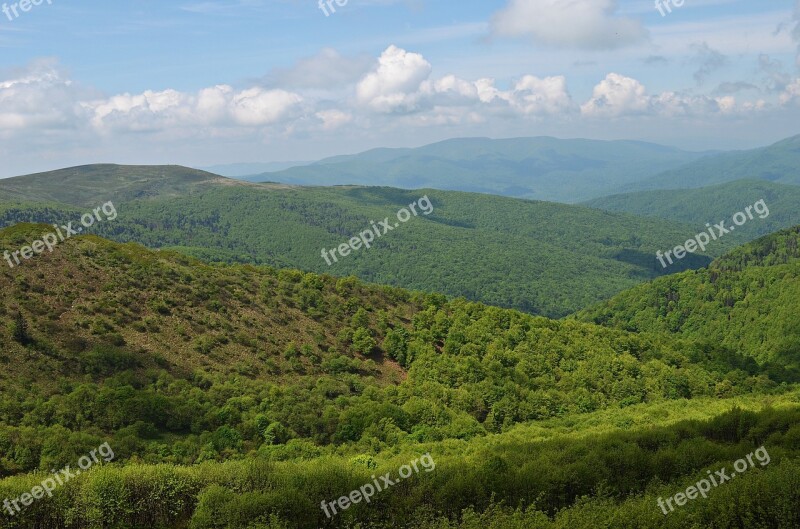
pixel 210 82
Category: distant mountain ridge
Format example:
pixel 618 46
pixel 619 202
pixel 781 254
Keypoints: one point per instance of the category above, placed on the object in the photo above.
pixel 541 168
pixel 245 171
pixel 778 163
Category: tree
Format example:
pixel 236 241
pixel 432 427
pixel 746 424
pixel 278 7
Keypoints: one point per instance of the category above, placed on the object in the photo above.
pixel 362 341
pixel 19 330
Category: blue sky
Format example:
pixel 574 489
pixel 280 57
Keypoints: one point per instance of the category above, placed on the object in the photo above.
pixel 209 82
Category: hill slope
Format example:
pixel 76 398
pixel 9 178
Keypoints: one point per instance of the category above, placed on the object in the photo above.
pixel 539 257
pixel 779 163
pixel 712 204
pixel 747 301
pixel 324 358
pixel 90 185
pixel 240 396
pixel 537 168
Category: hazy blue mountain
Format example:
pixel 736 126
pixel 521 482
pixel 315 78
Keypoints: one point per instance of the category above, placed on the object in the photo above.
pixel 541 168
pixel 250 172
pixel 779 162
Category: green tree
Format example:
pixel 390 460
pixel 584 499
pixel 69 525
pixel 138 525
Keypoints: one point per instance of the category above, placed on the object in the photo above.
pixel 363 342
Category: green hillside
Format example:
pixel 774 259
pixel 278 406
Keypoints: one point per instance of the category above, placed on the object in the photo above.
pixel 241 397
pixel 713 204
pixel 746 301
pixel 539 257
pixel 89 185
pixel 540 168
pixel 778 163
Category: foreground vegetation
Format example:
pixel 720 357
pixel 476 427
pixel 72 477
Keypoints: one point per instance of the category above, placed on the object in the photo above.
pixel 610 480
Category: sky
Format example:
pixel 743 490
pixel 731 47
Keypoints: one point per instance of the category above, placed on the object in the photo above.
pixel 200 83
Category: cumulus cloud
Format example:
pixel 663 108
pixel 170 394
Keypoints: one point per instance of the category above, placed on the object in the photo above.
pixel 333 119
pixel 530 95
pixel 617 95
pixel 620 96
pixel 583 24
pixel 397 90
pixel 38 96
pixel 395 83
pixel 401 83
pixel 791 94
pixel 221 105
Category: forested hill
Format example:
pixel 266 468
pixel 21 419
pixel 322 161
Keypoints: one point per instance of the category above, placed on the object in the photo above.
pixel 748 301
pixel 544 258
pixel 713 204
pixel 89 184
pixel 96 320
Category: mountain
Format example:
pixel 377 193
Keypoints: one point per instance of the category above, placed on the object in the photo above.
pixel 540 168
pixel 250 171
pixel 746 301
pixel 777 163
pixel 540 257
pixel 247 397
pixel 89 185
pixel 713 204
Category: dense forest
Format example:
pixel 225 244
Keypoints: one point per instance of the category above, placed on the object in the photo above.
pixel 538 257
pixel 747 301
pixel 250 394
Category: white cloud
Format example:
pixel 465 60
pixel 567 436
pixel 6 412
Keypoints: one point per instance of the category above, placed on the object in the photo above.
pixel 619 96
pixel 37 97
pixel 400 84
pixel 221 105
pixel 792 93
pixel 398 95
pixel 532 95
pixel 584 24
pixel 333 119
pixel 394 84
